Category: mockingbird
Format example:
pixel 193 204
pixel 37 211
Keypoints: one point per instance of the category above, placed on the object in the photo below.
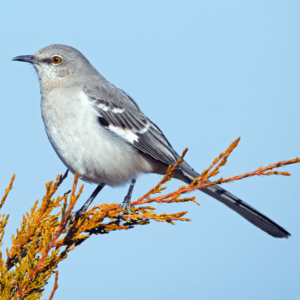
pixel 99 131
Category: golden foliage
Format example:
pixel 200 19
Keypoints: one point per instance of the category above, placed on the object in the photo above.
pixel 41 242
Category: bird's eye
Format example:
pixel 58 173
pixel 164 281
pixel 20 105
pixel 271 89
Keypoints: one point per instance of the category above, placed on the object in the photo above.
pixel 56 60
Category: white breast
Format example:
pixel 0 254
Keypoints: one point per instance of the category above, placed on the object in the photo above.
pixel 86 147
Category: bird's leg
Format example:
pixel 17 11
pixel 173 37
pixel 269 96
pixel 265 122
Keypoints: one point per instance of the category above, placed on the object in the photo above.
pixel 88 202
pixel 126 203
pixel 85 206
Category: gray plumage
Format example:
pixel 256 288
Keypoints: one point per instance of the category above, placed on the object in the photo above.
pixel 100 132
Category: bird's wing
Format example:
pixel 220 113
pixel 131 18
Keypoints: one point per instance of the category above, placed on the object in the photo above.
pixel 122 116
pixel 119 114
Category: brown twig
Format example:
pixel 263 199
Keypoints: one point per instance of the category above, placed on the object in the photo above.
pixel 40 244
pixel 55 286
pixel 7 190
pixel 166 178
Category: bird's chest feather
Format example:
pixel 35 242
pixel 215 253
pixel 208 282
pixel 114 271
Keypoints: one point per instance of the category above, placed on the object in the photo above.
pixel 83 145
pixel 67 120
pixel 72 128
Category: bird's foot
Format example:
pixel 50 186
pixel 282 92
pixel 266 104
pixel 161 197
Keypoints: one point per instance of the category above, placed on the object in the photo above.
pixel 73 216
pixel 84 208
pixel 127 207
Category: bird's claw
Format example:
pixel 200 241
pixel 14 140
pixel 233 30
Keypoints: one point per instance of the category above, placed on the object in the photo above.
pixel 127 207
pixel 73 215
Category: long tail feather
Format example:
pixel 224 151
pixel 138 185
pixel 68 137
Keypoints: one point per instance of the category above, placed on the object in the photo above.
pixel 236 204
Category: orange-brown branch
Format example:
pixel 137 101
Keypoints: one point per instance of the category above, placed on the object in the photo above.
pixel 41 243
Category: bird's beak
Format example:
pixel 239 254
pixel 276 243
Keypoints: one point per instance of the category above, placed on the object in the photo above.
pixel 26 58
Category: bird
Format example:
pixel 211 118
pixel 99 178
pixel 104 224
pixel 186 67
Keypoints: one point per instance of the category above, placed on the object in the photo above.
pixel 100 132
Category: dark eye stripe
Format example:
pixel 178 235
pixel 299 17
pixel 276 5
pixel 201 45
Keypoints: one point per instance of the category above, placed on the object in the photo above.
pixel 46 60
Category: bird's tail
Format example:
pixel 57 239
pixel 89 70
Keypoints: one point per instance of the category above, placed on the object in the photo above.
pixel 239 206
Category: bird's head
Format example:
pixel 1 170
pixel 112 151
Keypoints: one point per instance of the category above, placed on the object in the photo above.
pixel 56 64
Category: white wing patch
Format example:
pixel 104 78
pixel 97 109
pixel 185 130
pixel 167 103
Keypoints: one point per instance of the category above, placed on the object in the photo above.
pixel 103 107
pixel 118 110
pixel 126 134
pixel 121 122
pixel 125 120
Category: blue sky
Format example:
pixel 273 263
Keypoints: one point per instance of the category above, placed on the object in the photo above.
pixel 206 72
